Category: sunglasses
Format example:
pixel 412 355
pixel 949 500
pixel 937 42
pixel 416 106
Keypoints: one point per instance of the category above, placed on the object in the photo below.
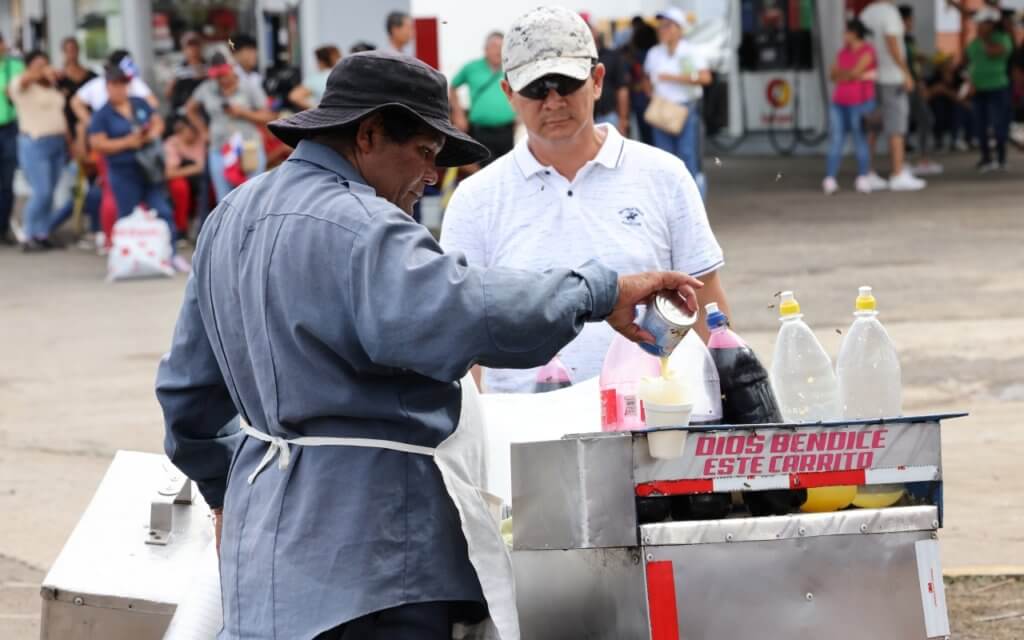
pixel 562 85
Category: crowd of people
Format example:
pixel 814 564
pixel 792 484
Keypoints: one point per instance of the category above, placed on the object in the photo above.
pixel 178 155
pixel 885 87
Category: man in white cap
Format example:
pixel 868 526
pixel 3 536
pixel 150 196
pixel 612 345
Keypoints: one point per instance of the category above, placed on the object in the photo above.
pixel 574 190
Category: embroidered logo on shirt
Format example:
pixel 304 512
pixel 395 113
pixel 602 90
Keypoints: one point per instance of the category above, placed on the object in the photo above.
pixel 631 217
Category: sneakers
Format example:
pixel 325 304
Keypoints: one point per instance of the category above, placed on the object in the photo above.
pixel 829 185
pixel 986 166
pixel 876 182
pixel 905 181
pixel 181 264
pixel 862 184
pixel 961 145
pixel 86 243
pixel 926 168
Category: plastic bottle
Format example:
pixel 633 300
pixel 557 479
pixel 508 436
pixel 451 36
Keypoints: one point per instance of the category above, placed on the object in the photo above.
pixel 806 389
pixel 801 373
pixel 552 376
pixel 870 384
pixel 747 398
pixel 624 365
pixel 694 362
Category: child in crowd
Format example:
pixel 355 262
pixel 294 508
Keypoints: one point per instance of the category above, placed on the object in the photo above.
pixel 854 97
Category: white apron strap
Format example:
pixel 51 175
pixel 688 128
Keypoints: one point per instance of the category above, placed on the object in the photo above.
pixel 280 447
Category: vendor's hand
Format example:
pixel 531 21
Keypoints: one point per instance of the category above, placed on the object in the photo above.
pixel 637 289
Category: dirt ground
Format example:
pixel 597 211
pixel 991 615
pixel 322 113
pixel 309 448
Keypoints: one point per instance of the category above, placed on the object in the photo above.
pixel 78 356
pixel 986 608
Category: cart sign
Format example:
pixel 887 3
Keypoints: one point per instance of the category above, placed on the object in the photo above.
pixel 804 450
pixel 789 451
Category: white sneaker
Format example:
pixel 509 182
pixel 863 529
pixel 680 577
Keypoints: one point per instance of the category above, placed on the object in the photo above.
pixel 961 145
pixel 101 244
pixel 927 168
pixel 829 185
pixel 862 184
pixel 877 182
pixel 905 181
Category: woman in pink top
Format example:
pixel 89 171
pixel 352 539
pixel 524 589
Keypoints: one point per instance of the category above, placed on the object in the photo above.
pixel 854 97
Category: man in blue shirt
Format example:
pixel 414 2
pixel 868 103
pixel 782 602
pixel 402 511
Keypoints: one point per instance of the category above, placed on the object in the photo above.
pixel 318 308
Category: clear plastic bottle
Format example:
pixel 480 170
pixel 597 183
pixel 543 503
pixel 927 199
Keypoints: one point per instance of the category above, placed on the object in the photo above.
pixel 801 372
pixel 870 381
pixel 807 391
pixel 552 376
pixel 694 362
pixel 624 365
pixel 870 384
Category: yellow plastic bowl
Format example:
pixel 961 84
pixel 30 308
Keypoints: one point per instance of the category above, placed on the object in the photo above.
pixel 825 499
pixel 878 496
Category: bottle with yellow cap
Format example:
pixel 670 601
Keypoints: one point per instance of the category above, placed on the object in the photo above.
pixel 870 383
pixel 801 372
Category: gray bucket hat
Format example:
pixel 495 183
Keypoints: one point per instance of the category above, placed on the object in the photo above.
pixel 544 41
pixel 363 83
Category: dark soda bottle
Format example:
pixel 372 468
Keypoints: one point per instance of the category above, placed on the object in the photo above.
pixel 747 398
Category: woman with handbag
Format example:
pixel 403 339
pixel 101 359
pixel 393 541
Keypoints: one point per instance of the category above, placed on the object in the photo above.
pixel 126 131
pixel 42 143
pixel 676 76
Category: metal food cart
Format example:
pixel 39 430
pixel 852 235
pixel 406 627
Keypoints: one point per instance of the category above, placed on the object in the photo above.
pixel 587 565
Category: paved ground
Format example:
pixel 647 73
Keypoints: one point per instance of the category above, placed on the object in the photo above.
pixel 77 356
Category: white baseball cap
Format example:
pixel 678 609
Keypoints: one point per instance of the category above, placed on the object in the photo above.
pixel 676 15
pixel 547 40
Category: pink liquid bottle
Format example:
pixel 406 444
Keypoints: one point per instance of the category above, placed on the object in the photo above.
pixel 552 376
pixel 624 365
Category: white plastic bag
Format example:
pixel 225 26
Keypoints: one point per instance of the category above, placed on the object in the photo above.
pixel 141 247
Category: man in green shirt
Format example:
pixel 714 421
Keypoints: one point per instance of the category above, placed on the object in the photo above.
pixel 491 118
pixel 10 68
pixel 987 57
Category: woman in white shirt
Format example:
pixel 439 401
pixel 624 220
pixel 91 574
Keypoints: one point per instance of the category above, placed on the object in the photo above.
pixel 677 72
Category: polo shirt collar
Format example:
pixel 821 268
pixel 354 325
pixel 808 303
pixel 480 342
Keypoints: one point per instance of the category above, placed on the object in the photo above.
pixel 609 155
pixel 326 158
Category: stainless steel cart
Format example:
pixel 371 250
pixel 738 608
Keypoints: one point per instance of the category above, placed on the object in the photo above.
pixel 588 567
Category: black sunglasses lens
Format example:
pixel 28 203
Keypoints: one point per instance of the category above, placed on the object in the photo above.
pixel 539 89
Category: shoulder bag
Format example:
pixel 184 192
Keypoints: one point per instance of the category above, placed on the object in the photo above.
pixel 666 115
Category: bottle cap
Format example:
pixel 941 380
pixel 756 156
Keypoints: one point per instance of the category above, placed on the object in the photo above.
pixel 865 300
pixel 715 318
pixel 789 306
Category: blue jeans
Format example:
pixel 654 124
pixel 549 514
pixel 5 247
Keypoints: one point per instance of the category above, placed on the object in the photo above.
pixel 685 145
pixel 221 186
pixel 90 207
pixel 8 164
pixel 42 160
pixel 130 188
pixel 993 109
pixel 843 120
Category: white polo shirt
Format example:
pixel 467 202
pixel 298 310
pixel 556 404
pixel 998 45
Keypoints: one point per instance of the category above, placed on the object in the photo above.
pixel 633 207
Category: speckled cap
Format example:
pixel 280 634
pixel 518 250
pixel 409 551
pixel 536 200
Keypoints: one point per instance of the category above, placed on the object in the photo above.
pixel 547 40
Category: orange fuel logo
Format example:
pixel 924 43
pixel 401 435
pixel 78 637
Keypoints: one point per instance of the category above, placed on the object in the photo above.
pixel 778 92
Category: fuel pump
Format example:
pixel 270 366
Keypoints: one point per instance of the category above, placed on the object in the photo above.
pixel 781 73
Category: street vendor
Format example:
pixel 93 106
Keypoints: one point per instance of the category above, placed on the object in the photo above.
pixel 573 190
pixel 339 331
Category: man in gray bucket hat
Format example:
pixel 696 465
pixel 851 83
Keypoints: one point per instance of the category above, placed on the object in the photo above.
pixel 341 334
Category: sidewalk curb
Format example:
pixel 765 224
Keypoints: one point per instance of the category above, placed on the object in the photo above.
pixel 988 570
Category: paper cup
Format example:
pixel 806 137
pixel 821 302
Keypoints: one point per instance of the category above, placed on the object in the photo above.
pixel 667 415
pixel 667 443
